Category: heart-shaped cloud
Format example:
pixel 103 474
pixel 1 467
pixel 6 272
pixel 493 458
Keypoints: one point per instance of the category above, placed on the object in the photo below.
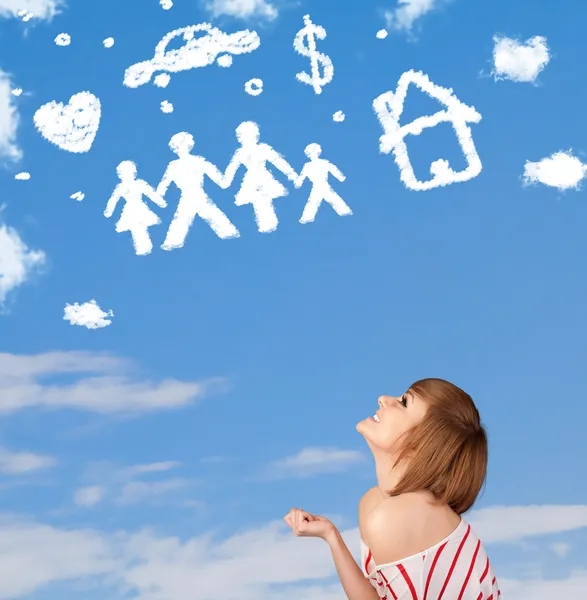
pixel 72 126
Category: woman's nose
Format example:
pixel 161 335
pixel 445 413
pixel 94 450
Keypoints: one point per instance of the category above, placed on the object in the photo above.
pixel 381 401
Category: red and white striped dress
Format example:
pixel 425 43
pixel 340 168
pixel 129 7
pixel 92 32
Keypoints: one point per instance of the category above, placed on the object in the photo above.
pixel 457 568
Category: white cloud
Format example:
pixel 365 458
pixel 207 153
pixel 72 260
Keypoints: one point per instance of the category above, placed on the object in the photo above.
pixel 101 386
pixel 512 523
pixel 571 588
pixel 519 61
pixel 408 12
pixel 9 119
pixel 18 262
pixel 147 566
pixel 157 467
pixel 313 461
pixel 18 463
pixel 34 555
pixel 41 9
pixel 562 170
pixel 88 314
pixel 121 485
pixel 243 9
pixel 89 496
pixel 561 549
pixel 136 492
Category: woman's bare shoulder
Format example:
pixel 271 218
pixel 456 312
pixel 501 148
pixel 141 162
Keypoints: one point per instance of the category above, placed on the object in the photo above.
pixel 366 505
pixel 390 528
pixel 371 498
pixel 405 525
pixel 388 512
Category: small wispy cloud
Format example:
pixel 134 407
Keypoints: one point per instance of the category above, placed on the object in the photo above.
pixel 90 495
pixel 101 383
pixel 20 463
pixel 243 9
pixel 519 61
pixel 157 467
pixel 561 549
pixel 18 263
pixel 407 12
pixel 124 485
pixel 41 9
pixel 136 492
pixel 312 461
pixel 562 170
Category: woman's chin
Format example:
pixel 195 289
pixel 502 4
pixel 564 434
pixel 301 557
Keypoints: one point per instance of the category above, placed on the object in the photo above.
pixel 361 426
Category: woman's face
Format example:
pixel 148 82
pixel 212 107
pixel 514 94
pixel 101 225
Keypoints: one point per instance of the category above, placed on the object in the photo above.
pixel 395 416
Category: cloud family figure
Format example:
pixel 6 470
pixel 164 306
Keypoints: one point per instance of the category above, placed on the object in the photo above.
pixel 259 188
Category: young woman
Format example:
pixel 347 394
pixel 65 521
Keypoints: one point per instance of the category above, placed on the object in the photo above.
pixel 430 452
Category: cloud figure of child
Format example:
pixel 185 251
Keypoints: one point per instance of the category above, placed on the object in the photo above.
pixel 187 173
pixel 317 170
pixel 259 187
pixel 136 216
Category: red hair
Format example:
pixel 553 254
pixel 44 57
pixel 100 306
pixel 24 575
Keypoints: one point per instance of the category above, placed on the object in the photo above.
pixel 447 450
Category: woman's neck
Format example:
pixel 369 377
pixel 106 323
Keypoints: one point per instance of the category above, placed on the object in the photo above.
pixel 388 475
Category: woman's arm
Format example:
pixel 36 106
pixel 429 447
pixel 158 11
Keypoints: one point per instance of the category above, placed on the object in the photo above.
pixel 233 166
pixel 280 163
pixel 153 195
pixel 112 202
pixel 356 586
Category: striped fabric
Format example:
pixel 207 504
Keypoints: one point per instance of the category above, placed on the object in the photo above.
pixel 457 568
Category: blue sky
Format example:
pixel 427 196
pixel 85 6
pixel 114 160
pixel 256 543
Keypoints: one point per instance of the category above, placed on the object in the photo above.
pixel 227 388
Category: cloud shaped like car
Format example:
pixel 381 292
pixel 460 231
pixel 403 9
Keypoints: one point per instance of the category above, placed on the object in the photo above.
pixel 197 51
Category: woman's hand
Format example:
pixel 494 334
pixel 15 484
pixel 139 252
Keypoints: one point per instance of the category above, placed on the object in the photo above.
pixel 307 525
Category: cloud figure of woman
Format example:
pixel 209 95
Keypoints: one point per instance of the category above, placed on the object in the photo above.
pixel 259 186
pixel 136 216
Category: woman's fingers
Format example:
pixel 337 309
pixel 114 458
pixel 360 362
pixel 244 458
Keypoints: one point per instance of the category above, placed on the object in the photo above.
pixel 289 518
pixel 303 519
pixel 298 520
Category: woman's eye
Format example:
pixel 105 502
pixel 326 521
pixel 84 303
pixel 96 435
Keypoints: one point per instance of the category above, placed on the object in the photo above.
pixel 404 401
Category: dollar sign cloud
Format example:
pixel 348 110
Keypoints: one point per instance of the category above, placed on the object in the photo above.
pixel 310 32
